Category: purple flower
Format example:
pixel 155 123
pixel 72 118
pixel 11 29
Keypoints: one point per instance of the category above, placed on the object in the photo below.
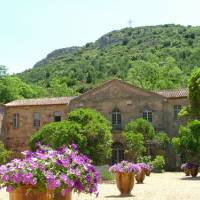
pixel 125 166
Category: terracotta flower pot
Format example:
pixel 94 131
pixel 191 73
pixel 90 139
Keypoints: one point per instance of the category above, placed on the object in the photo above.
pixel 194 171
pixel 58 196
pixel 125 182
pixel 140 176
pixel 147 172
pixel 29 193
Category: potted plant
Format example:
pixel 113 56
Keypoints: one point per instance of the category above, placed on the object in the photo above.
pixel 49 174
pixel 144 169
pixel 190 169
pixel 185 168
pixel 125 173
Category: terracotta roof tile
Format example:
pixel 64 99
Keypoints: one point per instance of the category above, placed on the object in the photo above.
pixel 174 93
pixel 41 101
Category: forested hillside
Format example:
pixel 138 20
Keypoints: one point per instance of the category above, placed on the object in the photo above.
pixel 152 57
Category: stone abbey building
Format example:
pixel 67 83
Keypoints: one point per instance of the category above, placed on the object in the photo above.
pixel 118 101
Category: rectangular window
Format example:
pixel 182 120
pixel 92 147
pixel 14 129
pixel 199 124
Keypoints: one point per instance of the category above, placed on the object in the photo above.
pixel 116 119
pixel 16 120
pixel 57 116
pixel 148 115
pixel 177 109
pixel 36 120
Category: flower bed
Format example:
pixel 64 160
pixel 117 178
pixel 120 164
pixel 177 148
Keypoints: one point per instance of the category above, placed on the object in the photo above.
pixel 62 170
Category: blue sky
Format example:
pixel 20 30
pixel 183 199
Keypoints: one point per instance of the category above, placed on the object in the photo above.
pixel 30 29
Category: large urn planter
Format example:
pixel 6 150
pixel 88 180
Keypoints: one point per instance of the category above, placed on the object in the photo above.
pixel 32 193
pixel 125 175
pixel 194 171
pixel 145 169
pixel 125 182
pixel 140 176
pixel 190 169
pixel 29 193
pixel 58 196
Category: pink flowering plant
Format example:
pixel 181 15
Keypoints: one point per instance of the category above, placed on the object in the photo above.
pixel 62 170
pixel 125 166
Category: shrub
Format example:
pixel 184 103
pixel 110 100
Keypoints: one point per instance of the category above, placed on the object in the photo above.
pixel 4 154
pixel 85 127
pixel 188 142
pixel 144 159
pixel 158 163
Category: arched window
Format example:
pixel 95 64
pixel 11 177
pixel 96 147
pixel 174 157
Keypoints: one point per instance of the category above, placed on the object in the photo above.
pixel 57 116
pixel 117 152
pixel 116 119
pixel 147 114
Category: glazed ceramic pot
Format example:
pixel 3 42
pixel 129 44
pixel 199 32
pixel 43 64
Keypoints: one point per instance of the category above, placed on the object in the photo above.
pixel 30 193
pixel 125 182
pixel 58 196
pixel 140 176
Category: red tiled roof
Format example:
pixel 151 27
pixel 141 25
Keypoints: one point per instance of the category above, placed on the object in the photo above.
pixel 174 93
pixel 41 101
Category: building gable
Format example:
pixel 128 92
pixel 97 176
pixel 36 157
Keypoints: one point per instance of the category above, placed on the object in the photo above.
pixel 115 89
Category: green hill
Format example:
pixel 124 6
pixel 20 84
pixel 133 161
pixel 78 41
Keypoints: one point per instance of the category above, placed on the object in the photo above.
pixel 152 57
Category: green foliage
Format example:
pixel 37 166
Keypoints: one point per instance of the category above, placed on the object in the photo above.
pixel 135 143
pixel 142 126
pixel 162 139
pixel 4 154
pixel 12 88
pixel 153 57
pixel 105 174
pixel 194 92
pixel 85 127
pixel 158 163
pixel 59 87
pixel 139 134
pixel 144 159
pixel 188 141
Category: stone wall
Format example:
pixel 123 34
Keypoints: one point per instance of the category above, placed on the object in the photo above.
pixel 171 126
pixel 2 121
pixel 17 138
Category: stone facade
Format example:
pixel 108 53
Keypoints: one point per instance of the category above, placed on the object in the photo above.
pixel 131 102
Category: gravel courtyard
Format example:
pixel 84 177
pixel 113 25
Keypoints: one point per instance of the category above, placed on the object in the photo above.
pixel 166 186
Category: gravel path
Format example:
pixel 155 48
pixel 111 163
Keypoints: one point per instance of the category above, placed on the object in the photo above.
pixel 166 186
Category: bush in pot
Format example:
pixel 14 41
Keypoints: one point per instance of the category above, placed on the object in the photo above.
pixel 57 171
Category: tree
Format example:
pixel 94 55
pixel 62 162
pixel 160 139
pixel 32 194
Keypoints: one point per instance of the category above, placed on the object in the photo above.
pixel 85 127
pixel 12 88
pixel 142 126
pixel 59 87
pixel 194 92
pixel 144 74
pixel 135 143
pixel 188 142
pixel 139 134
